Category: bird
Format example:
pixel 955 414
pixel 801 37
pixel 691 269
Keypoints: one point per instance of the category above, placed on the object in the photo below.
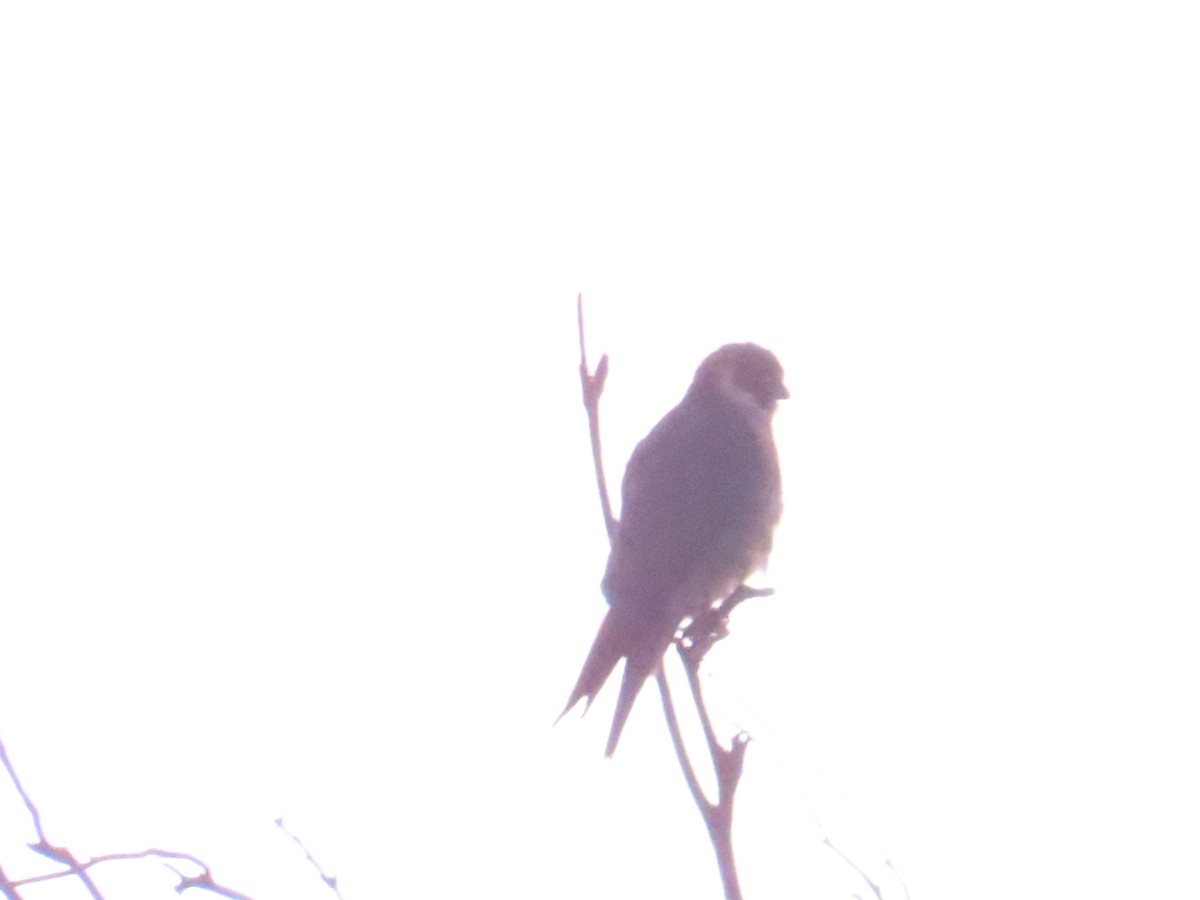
pixel 700 500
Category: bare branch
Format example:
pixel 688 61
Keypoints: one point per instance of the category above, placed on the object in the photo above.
pixel 593 387
pixel 859 870
pixel 79 869
pixel 718 817
pixel 856 867
pixel 895 871
pixel 33 812
pixel 205 882
pixel 330 880
pixel 689 773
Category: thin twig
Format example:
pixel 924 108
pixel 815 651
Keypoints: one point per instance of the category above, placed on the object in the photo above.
pixel 859 870
pixel 896 872
pixel 689 773
pixel 330 880
pixel 7 887
pixel 205 882
pixel 33 812
pixel 855 866
pixel 593 387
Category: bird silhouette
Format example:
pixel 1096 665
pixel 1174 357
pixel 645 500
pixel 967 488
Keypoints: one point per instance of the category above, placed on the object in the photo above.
pixel 699 503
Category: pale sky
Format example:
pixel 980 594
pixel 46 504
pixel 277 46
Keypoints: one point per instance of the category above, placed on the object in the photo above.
pixel 297 514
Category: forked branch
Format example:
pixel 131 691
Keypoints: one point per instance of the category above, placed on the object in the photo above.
pixel 74 867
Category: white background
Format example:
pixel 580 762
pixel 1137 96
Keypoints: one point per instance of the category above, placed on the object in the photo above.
pixel 296 509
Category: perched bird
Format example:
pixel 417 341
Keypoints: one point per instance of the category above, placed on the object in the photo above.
pixel 699 503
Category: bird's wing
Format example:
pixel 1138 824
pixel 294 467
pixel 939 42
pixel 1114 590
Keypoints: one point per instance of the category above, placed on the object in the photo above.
pixel 695 484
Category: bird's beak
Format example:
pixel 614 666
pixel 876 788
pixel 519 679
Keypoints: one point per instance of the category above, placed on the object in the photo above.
pixel 783 393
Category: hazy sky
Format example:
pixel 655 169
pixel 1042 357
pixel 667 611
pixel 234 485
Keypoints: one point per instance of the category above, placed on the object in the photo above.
pixel 296 506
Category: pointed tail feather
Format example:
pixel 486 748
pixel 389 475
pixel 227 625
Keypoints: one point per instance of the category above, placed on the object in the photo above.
pixel 601 660
pixel 641 642
pixel 637 670
pixel 642 657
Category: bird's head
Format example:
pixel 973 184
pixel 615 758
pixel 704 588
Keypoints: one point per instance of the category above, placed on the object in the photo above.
pixel 743 371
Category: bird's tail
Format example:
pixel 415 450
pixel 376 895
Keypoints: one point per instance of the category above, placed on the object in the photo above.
pixel 638 667
pixel 641 645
